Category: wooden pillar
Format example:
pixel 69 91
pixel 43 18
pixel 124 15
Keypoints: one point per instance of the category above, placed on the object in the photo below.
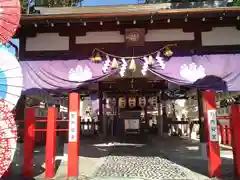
pixel 235 127
pixel 29 142
pixel 145 113
pixel 101 111
pixel 104 119
pixel 211 132
pixel 201 117
pixel 160 119
pixel 50 143
pixel 74 134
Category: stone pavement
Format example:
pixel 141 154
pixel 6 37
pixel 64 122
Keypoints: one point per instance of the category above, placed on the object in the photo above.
pixel 133 158
pixel 187 154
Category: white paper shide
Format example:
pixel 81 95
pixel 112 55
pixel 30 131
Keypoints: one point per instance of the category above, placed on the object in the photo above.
pixel 212 121
pixel 72 135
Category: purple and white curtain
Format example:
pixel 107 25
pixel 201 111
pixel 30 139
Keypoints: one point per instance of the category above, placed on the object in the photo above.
pixel 218 72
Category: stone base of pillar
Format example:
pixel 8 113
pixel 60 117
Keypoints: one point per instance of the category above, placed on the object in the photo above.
pixel 203 150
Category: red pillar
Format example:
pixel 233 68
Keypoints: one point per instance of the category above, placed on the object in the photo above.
pixel 223 134
pixel 235 126
pixel 73 134
pixel 29 142
pixel 211 131
pixel 51 143
pixel 229 135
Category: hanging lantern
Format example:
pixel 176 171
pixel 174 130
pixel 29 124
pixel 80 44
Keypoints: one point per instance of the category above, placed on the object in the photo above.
pixel 113 101
pixel 132 102
pixel 122 102
pixel 168 52
pixel 108 103
pixel 142 101
pixel 114 63
pixel 150 60
pixel 154 101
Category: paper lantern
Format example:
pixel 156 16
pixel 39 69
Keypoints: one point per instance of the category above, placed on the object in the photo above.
pixel 142 101
pixel 132 102
pixel 108 103
pixel 11 78
pixel 114 102
pixel 154 101
pixel 10 17
pixel 85 106
pixel 122 102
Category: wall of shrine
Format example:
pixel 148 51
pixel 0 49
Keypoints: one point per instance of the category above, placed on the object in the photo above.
pixel 47 42
pixel 55 42
pixel 221 36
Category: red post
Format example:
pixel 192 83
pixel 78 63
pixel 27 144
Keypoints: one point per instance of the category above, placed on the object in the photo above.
pixel 73 134
pixel 229 136
pixel 235 126
pixel 51 143
pixel 223 134
pixel 219 130
pixel 211 131
pixel 29 142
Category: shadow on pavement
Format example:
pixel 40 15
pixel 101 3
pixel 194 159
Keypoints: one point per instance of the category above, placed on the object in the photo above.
pixel 186 153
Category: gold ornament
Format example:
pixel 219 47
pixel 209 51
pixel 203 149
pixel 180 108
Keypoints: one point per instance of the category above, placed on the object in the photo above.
pixel 97 58
pixel 168 52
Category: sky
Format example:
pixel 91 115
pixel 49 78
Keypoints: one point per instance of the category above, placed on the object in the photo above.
pixel 107 2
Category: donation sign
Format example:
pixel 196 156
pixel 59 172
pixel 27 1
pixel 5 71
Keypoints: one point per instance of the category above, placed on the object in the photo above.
pixel 72 135
pixel 212 121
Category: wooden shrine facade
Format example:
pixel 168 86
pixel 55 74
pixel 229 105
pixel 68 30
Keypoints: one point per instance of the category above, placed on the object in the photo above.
pixel 76 31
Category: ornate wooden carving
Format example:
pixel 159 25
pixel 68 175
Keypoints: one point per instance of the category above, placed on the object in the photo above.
pixel 135 37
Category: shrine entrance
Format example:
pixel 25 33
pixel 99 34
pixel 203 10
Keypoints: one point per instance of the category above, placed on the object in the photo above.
pixel 132 106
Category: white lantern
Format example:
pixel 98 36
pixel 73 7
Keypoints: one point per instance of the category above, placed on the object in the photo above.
pixel 113 101
pixel 154 101
pixel 132 102
pixel 122 102
pixel 108 103
pixel 142 101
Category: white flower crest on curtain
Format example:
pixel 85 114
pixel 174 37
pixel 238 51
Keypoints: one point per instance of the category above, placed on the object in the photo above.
pixel 80 74
pixel 192 72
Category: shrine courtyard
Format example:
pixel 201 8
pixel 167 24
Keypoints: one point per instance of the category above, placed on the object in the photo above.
pixel 140 159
